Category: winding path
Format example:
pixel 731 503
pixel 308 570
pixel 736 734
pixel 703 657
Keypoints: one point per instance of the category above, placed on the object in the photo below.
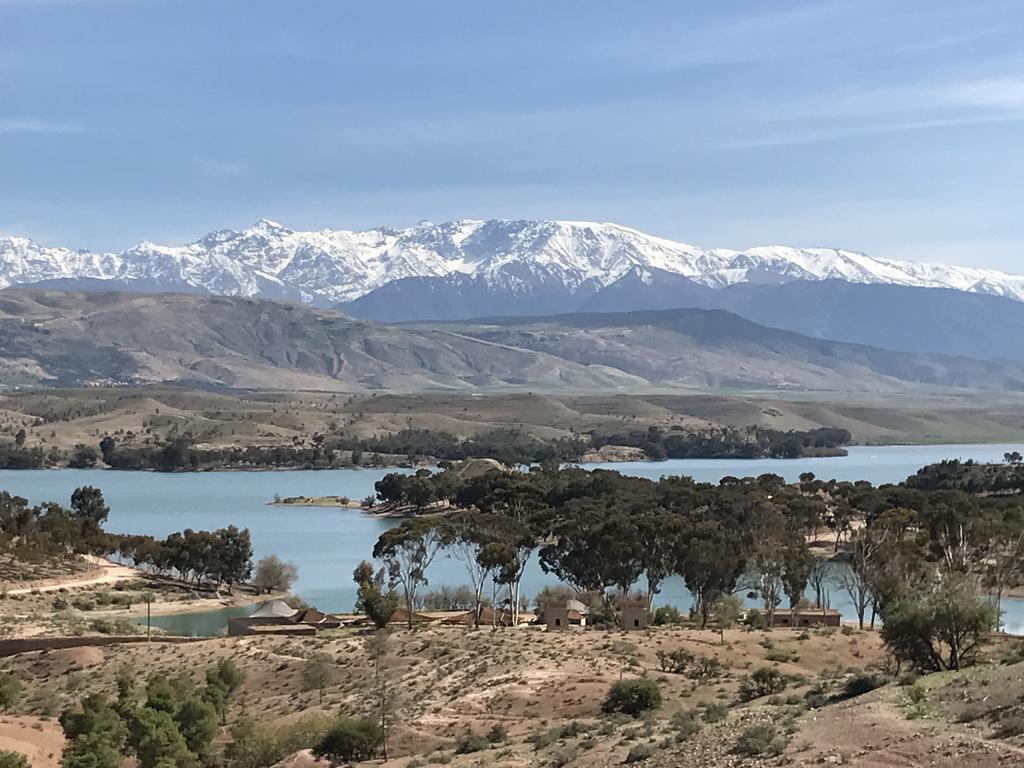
pixel 110 573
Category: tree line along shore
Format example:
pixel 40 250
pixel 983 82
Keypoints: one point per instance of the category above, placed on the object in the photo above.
pixel 186 452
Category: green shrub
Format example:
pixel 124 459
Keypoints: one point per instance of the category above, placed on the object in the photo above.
pixel 544 738
pixel 908 678
pixel 685 724
pixel 632 697
pixel 112 627
pixel 571 730
pixel 705 668
pixel 816 697
pixel 497 734
pixel 1015 655
pixel 562 756
pixel 760 740
pixel 675 662
pixel 762 682
pixel 665 615
pixel 1009 726
pixel 754 619
pixel 715 713
pixel 861 683
pixel 470 743
pixel 349 740
pixel 10 759
pixel 916 701
pixel 639 753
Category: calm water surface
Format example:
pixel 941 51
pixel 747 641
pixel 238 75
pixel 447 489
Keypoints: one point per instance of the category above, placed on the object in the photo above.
pixel 328 543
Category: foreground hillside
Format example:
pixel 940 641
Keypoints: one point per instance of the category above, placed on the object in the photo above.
pixel 54 338
pixel 519 698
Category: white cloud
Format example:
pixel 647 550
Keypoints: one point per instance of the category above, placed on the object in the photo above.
pixel 873 129
pixel 36 125
pixel 1003 93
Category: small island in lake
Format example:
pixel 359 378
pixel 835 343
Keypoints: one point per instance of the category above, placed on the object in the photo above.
pixel 317 501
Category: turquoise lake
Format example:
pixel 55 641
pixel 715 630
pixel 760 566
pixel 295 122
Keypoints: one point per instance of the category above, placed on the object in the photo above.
pixel 327 543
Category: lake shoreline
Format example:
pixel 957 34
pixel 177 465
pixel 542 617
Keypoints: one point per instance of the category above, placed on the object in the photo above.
pixel 328 543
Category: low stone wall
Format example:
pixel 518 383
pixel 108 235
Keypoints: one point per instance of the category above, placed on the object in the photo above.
pixel 12 646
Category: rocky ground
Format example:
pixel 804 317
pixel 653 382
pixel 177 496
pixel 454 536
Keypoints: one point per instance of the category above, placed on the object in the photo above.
pixel 539 694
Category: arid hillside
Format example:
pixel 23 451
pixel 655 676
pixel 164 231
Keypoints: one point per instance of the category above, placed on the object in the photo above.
pixel 52 338
pixel 64 418
pixel 533 697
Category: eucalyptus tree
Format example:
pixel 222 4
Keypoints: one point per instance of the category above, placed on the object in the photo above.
pixel 710 558
pixel 407 551
pixel 592 546
pixel 471 535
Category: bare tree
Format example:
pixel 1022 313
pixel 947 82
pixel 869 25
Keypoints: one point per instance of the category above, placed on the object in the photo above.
pixel 1003 568
pixel 856 579
pixel 819 579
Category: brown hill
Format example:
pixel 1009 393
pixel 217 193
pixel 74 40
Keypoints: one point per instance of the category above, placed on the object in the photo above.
pixel 53 338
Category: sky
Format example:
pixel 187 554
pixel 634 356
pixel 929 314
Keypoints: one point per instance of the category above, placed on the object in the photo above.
pixel 893 128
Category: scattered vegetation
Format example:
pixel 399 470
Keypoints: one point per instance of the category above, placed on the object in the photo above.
pixel 632 697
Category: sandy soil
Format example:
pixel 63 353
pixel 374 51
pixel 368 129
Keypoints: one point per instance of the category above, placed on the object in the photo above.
pixel 451 680
pixel 545 689
pixel 38 739
pixel 104 572
pixel 33 611
pixel 873 732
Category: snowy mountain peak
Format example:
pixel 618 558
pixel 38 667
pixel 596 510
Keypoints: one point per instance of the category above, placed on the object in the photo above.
pixel 326 267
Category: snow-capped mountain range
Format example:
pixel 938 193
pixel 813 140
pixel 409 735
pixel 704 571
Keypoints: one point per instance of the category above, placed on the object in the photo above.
pixel 328 267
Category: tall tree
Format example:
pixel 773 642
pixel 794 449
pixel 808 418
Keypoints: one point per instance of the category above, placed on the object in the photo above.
pixel 88 502
pixel 407 551
pixel 95 734
pixel 939 625
pixel 858 577
pixel 658 532
pixel 274 575
pixel 232 555
pixel 373 596
pixel 798 563
pixel 710 558
pixel 471 534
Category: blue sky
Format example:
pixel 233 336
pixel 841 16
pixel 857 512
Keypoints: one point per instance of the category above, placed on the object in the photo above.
pixel 896 128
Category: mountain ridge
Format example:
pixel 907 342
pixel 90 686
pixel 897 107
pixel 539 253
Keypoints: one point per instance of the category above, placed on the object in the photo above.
pixel 502 257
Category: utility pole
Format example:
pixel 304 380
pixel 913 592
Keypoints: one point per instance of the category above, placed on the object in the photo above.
pixel 149 617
